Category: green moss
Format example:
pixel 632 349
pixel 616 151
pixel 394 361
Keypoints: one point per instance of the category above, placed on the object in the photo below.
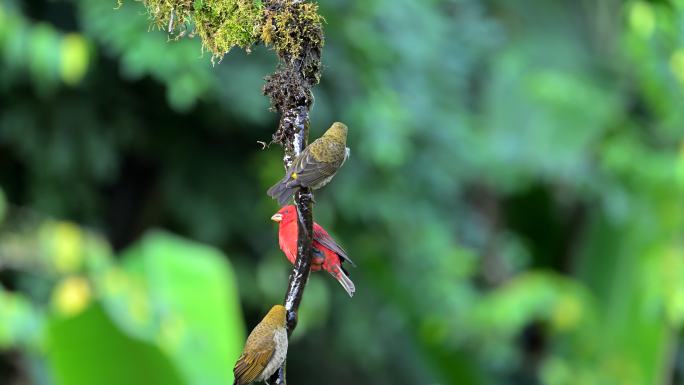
pixel 220 24
pixel 162 11
pixel 292 28
pixel 295 32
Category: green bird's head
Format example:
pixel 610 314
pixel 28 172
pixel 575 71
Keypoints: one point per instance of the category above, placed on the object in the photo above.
pixel 337 133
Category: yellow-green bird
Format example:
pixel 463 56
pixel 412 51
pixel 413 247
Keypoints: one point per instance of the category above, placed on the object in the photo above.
pixel 265 349
pixel 316 165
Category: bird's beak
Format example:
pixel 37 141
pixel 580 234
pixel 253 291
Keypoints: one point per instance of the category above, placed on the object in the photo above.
pixel 277 217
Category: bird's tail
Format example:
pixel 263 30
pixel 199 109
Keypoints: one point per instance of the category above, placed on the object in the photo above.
pixel 342 277
pixel 281 191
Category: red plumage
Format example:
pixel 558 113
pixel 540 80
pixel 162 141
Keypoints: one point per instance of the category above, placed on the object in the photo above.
pixel 327 254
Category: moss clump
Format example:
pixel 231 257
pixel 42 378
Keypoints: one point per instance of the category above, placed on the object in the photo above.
pixel 287 88
pixel 292 28
pixel 168 15
pixel 221 24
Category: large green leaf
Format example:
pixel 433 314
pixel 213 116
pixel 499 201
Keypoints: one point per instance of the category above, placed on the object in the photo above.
pixel 181 295
pixel 89 349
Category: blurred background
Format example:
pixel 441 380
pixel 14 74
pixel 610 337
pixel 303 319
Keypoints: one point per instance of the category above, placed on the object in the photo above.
pixel 514 199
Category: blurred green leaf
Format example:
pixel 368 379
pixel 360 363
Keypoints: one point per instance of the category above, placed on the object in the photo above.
pixel 75 57
pixel 40 51
pixel 73 343
pixel 185 301
pixel 21 324
pixel 536 296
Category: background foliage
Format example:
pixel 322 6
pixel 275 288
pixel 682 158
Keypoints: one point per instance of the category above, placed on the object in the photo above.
pixel 513 199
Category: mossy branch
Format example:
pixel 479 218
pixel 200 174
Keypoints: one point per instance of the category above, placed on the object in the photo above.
pixel 293 28
pixel 295 31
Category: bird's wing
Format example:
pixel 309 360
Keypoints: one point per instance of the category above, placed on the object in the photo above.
pixel 308 171
pixel 253 360
pixel 251 364
pixel 322 237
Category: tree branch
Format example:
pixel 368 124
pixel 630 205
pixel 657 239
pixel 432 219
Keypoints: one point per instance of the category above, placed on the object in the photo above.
pixel 295 28
pixel 303 202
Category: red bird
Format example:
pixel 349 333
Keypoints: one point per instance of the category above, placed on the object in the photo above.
pixel 327 254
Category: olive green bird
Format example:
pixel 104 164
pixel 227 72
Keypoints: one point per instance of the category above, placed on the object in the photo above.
pixel 265 349
pixel 316 165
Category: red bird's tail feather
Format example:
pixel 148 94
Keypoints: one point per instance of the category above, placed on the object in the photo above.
pixel 344 280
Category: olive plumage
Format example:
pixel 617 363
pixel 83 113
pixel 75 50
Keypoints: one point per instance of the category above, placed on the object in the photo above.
pixel 265 349
pixel 316 165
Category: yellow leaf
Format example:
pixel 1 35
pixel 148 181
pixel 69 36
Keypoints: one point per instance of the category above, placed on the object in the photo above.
pixel 71 296
pixel 66 246
pixel 74 63
pixel 567 313
pixel 642 18
pixel 677 65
